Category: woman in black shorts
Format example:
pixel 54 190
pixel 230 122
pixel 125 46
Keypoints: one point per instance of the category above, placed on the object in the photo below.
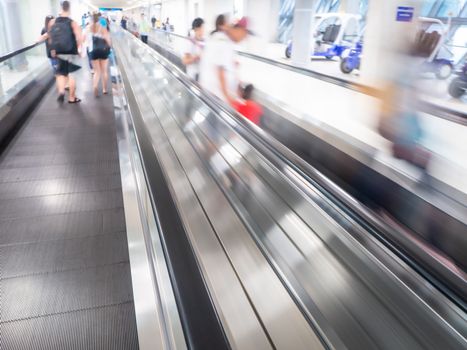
pixel 100 50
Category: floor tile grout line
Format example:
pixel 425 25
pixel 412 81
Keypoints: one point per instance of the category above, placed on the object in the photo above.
pixel 76 177
pixel 53 214
pixel 108 233
pixel 83 268
pixel 61 194
pixel 58 194
pixel 60 164
pixel 52 195
pixel 101 211
pixel 130 301
pixel 117 172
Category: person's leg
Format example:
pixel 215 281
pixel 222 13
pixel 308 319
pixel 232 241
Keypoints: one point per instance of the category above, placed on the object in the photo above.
pixel 90 61
pixel 72 87
pixel 105 74
pixel 61 82
pixel 62 72
pixel 97 77
pixel 54 63
pixel 57 84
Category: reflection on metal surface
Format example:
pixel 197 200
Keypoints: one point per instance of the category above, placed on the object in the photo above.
pixel 156 311
pixel 243 276
pixel 282 261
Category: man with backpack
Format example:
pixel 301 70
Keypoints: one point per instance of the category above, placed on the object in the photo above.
pixel 65 42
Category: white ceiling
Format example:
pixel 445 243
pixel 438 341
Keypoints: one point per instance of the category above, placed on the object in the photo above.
pixel 111 3
pixel 119 3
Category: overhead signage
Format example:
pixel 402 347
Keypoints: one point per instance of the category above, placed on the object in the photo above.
pixel 106 9
pixel 404 14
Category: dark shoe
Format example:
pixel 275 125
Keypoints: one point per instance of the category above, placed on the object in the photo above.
pixel 61 98
pixel 76 100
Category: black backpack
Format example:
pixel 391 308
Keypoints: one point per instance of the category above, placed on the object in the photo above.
pixel 62 38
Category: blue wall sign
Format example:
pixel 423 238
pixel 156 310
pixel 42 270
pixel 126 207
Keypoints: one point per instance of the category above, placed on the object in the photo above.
pixel 404 14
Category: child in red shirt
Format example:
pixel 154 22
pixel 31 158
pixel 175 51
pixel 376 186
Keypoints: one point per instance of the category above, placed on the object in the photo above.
pixel 247 107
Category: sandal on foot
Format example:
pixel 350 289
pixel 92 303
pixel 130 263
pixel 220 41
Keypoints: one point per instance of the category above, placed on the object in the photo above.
pixel 76 100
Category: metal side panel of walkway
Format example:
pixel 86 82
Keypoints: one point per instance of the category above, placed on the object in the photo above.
pixel 64 267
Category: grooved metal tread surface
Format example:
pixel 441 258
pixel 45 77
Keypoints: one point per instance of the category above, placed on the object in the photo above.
pixel 65 278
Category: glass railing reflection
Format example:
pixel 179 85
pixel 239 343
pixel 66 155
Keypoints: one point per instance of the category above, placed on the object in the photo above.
pixel 18 71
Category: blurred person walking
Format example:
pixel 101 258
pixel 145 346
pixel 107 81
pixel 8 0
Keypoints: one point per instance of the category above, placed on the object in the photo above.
pixel 399 120
pixel 221 24
pixel 87 42
pixel 45 37
pixel 65 42
pixel 218 67
pixel 143 29
pixel 192 54
pixel 107 23
pixel 123 22
pixel 153 21
pixel 247 107
pixel 167 26
pixel 98 37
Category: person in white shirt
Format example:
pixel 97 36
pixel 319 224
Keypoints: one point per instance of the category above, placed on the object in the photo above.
pixel 194 49
pixel 218 67
pixel 143 29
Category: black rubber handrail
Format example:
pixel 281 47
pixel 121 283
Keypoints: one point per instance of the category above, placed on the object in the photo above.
pixel 447 113
pixel 19 51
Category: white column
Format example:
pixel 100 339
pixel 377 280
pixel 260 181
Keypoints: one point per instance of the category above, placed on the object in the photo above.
pixel 12 25
pixel 264 18
pixel 210 9
pixel 350 6
pixel 386 39
pixel 303 32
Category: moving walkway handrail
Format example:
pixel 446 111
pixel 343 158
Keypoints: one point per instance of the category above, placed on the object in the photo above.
pixel 397 242
pixel 19 51
pixel 450 114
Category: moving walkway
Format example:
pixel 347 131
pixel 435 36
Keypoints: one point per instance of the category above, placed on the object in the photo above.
pixel 65 279
pixel 283 262
pixel 220 239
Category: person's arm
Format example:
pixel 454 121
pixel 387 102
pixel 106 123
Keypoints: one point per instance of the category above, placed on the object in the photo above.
pixel 106 36
pixel 188 59
pixel 78 34
pixel 84 34
pixel 43 38
pixel 53 53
